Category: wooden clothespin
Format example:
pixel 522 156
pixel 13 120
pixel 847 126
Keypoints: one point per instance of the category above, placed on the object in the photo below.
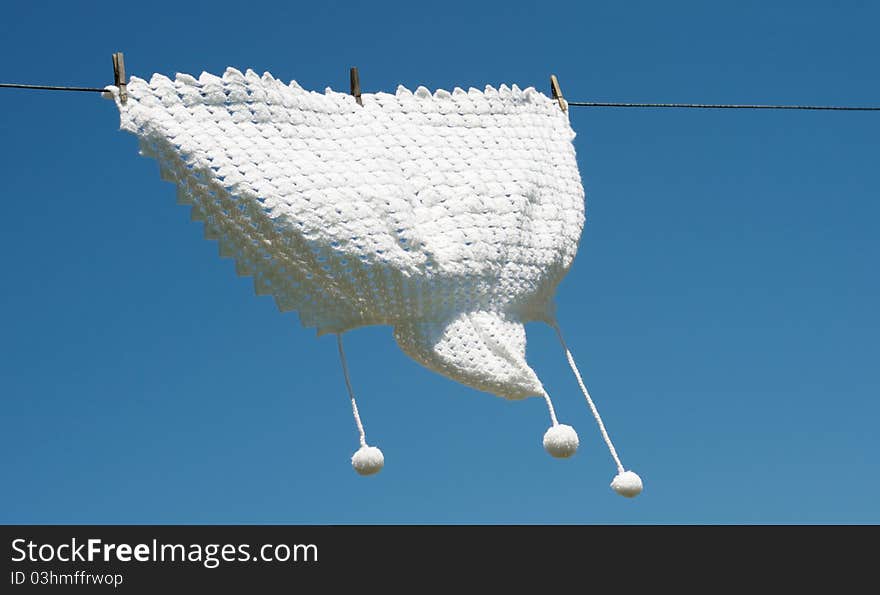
pixel 119 75
pixel 356 85
pixel 557 92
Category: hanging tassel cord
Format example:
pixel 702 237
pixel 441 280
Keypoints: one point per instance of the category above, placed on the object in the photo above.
pixel 592 405
pixel 354 407
pixel 551 409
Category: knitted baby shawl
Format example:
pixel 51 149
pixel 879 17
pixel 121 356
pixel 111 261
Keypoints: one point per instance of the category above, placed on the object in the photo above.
pixel 451 217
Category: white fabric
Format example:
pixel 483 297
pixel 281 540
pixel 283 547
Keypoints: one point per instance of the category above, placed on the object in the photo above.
pixel 451 217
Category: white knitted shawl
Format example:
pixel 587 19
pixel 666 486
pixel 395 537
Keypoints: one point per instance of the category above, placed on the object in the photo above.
pixel 451 217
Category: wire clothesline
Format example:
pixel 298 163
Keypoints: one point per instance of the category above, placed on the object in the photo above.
pixel 50 88
pixel 839 108
pixel 846 108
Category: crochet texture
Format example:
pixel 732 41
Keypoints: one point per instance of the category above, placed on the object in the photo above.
pixel 451 217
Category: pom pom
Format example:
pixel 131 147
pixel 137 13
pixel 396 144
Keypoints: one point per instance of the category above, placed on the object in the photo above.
pixel 627 484
pixel 368 460
pixel 561 441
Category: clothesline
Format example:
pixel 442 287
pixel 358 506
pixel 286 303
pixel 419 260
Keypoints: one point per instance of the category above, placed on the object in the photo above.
pixel 50 88
pixel 843 108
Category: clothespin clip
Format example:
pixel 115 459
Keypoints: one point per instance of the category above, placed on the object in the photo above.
pixel 557 93
pixel 356 85
pixel 119 75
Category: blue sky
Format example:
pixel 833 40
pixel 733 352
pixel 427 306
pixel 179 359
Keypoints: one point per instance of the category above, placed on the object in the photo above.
pixel 722 307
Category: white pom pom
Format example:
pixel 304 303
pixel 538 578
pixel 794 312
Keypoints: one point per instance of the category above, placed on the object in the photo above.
pixel 627 484
pixel 368 460
pixel 561 441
